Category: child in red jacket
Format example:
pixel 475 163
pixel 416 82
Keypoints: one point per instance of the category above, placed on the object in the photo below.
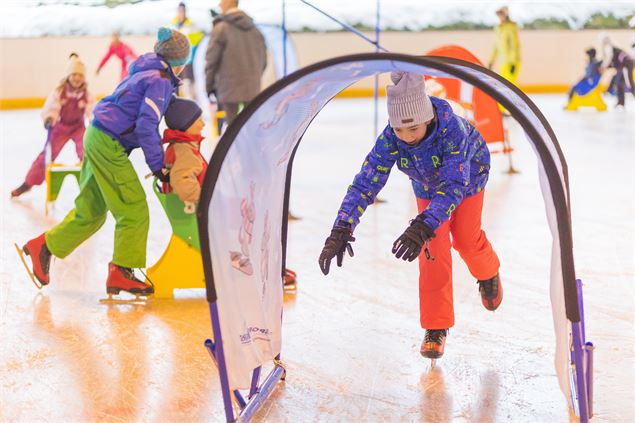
pixel 183 156
pixel 63 114
pixel 184 160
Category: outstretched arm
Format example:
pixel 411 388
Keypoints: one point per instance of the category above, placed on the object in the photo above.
pixel 110 52
pixel 370 180
pixel 156 98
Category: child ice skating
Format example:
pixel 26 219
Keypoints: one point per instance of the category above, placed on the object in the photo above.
pixel 123 121
pixel 63 114
pixel 592 74
pixel 183 156
pixel 122 51
pixel 623 63
pixel 448 162
pixel 187 169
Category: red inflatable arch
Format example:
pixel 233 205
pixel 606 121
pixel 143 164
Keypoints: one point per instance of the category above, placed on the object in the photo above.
pixel 483 109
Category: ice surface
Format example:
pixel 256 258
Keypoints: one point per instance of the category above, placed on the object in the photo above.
pixel 351 339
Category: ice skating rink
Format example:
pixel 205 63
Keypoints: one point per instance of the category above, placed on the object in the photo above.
pixel 351 339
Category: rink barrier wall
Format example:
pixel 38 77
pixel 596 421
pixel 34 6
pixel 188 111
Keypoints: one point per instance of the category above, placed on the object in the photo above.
pixel 41 62
pixel 36 103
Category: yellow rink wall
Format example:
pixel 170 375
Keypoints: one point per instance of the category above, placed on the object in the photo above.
pixel 552 60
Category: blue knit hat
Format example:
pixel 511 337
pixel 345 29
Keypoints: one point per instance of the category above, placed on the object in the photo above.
pixel 181 114
pixel 173 46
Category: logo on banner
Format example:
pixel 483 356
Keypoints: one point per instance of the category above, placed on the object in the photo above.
pixel 255 334
pixel 240 259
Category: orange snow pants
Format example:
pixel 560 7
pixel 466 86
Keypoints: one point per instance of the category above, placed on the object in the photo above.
pixel 435 276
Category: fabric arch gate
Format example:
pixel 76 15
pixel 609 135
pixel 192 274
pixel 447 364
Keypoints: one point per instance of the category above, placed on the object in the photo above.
pixel 243 219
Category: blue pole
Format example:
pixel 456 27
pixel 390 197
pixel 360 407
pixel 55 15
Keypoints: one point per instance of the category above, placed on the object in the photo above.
pixel 217 348
pixel 377 30
pixel 284 38
pixel 266 389
pixel 346 26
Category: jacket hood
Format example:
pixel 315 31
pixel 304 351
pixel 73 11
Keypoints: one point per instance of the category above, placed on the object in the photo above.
pixel 239 19
pixel 152 61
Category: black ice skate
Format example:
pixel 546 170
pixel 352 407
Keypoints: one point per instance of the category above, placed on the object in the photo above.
pixel 491 292
pixel 20 190
pixel 433 344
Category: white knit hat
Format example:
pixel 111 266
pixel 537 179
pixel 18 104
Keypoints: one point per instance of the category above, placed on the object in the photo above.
pixel 408 103
pixel 75 66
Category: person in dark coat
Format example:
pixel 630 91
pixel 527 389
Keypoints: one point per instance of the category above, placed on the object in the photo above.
pixel 623 64
pixel 235 60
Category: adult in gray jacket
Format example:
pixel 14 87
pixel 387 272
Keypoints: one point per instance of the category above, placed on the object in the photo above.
pixel 235 60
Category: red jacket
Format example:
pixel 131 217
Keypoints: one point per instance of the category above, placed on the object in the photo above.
pixel 123 52
pixel 187 165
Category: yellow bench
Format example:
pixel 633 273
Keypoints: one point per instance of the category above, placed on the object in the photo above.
pixel 54 176
pixel 592 99
pixel 181 265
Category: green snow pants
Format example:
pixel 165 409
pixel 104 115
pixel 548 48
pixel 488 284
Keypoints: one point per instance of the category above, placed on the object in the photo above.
pixel 107 182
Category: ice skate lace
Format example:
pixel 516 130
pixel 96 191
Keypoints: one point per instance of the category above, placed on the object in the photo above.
pixel 434 335
pixel 129 273
pixel 147 278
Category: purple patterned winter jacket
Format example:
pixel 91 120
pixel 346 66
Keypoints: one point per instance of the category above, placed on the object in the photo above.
pixel 451 162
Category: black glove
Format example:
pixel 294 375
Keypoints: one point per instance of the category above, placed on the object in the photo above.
pixel 408 245
pixel 512 69
pixel 335 245
pixel 162 175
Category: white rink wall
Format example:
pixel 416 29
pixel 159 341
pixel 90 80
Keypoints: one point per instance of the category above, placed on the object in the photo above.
pixel 552 60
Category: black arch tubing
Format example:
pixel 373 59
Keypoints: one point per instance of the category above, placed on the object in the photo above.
pixel 559 189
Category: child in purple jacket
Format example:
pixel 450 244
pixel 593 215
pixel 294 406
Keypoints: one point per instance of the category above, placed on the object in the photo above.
pixel 123 121
pixel 448 164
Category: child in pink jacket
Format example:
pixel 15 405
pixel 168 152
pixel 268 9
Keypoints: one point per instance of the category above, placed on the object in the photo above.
pixel 122 51
pixel 63 115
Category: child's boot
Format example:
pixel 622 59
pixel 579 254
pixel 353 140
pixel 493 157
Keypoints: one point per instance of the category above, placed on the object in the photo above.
pixel 20 190
pixel 123 279
pixel 40 258
pixel 491 292
pixel 433 343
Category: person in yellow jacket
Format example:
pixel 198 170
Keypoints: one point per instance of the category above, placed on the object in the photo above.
pixel 507 45
pixel 185 26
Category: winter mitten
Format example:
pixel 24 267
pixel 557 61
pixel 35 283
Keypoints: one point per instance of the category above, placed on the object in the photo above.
pixel 335 245
pixel 408 245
